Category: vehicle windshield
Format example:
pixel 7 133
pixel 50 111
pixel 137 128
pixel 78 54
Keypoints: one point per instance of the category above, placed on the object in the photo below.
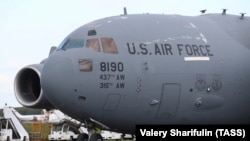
pixel 71 43
pixel 57 128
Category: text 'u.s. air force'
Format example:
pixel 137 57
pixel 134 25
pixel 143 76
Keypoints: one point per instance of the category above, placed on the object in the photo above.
pixel 170 49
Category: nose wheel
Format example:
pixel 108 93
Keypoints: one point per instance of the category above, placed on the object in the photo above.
pixel 83 137
pixel 95 137
pixel 92 135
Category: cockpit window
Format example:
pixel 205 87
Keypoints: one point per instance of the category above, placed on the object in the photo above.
pixel 109 46
pixel 93 44
pixel 72 43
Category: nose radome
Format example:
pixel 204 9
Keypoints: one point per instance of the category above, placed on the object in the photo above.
pixel 57 79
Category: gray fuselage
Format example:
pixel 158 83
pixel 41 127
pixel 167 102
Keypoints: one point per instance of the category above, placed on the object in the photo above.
pixel 153 69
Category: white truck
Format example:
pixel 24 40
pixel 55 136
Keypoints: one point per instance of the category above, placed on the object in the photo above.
pixel 62 132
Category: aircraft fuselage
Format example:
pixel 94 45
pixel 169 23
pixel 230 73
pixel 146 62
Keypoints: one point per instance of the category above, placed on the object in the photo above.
pixel 153 69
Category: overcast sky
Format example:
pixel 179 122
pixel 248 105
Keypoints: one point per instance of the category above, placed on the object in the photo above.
pixel 28 28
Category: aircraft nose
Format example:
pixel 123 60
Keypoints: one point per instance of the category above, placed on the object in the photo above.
pixel 57 79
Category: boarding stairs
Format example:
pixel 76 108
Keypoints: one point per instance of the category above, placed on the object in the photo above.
pixel 11 128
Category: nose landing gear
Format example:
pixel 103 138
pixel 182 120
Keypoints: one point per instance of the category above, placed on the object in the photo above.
pixel 96 137
pixel 93 137
pixel 92 133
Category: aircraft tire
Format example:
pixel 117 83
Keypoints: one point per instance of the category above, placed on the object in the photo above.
pixel 95 137
pixel 83 137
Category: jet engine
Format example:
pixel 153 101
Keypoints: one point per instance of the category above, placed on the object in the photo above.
pixel 28 89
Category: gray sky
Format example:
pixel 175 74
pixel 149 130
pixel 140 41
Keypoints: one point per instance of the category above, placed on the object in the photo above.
pixel 28 28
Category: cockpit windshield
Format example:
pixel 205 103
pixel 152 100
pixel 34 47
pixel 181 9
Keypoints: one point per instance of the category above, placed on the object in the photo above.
pixel 105 44
pixel 71 43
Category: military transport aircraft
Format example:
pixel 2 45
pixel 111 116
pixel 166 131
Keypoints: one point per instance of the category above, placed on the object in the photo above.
pixel 117 72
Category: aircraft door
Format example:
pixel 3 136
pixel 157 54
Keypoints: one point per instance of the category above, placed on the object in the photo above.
pixel 169 100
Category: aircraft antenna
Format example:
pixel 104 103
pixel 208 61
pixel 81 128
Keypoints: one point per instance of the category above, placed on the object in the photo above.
pixel 125 11
pixel 203 11
pixel 224 11
pixel 242 15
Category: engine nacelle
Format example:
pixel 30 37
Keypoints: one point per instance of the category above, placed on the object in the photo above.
pixel 28 89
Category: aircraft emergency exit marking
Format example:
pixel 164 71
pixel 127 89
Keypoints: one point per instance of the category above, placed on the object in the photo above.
pixel 169 49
